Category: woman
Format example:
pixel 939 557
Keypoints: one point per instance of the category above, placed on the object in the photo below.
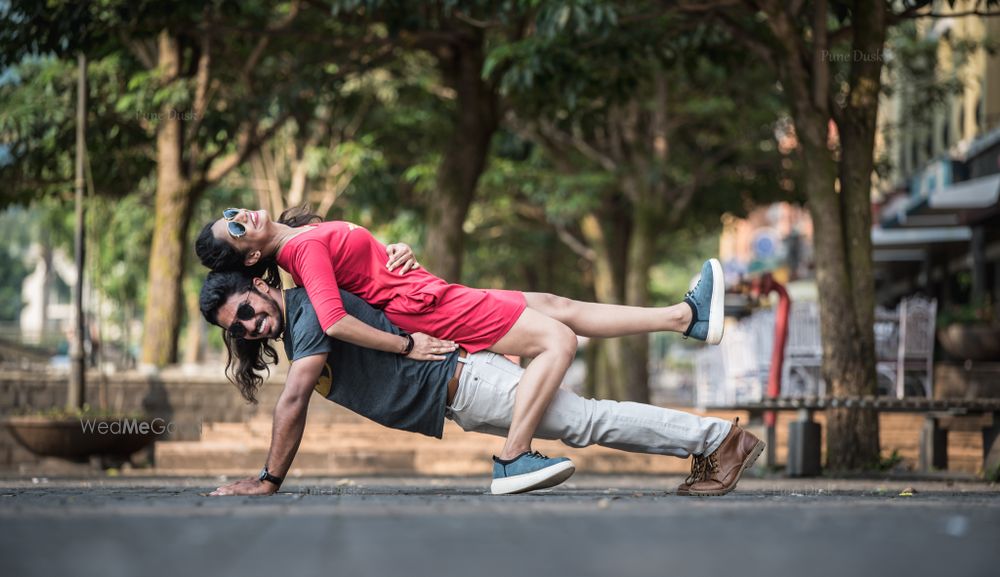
pixel 325 256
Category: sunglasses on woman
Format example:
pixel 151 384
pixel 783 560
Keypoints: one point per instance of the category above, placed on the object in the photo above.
pixel 236 229
pixel 244 312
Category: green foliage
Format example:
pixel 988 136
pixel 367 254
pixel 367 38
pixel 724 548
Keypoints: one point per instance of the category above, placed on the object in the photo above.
pixel 984 312
pixel 14 240
pixel 889 463
pixel 359 85
pixel 914 64
pixel 992 475
pixel 38 129
pixel 119 248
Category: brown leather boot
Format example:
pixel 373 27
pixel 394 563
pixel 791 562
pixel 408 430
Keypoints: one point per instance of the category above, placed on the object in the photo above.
pixel 718 473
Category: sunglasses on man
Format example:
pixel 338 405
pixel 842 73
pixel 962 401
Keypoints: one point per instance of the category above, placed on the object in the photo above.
pixel 244 312
pixel 236 229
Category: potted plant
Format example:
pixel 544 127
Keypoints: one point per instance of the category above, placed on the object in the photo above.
pixel 79 434
pixel 970 332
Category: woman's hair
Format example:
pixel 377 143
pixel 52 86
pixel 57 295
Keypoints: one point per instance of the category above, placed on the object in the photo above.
pixel 219 255
pixel 245 359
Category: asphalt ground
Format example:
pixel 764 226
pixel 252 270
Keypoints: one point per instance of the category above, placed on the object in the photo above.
pixel 592 525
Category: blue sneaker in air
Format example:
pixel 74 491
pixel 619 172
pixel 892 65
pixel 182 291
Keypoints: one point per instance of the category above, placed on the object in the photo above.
pixel 528 472
pixel 707 302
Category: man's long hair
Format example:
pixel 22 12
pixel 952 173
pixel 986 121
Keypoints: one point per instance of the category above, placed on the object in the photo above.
pixel 246 359
pixel 218 255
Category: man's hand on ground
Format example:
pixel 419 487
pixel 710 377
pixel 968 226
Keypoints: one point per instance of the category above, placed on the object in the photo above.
pixel 248 486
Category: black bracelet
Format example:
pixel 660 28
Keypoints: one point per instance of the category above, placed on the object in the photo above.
pixel 266 475
pixel 409 344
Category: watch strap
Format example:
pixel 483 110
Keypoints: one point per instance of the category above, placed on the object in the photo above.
pixel 265 475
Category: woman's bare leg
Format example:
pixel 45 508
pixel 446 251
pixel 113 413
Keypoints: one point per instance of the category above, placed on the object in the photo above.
pixel 604 320
pixel 552 346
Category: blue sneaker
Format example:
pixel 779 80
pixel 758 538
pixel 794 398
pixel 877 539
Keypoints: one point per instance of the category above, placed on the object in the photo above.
pixel 707 302
pixel 528 472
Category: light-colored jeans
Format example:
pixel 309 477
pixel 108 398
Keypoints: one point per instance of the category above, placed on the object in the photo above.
pixel 484 403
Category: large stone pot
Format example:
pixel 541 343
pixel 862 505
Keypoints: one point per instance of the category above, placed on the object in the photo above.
pixel 79 438
pixel 971 341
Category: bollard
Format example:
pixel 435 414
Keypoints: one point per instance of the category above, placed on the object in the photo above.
pixel 803 447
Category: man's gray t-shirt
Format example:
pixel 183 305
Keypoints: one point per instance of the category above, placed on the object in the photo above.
pixel 387 388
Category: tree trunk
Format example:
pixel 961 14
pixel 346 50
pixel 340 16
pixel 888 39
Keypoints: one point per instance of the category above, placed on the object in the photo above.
pixel 853 436
pixel 606 378
pixel 174 204
pixel 642 242
pixel 194 339
pixel 476 119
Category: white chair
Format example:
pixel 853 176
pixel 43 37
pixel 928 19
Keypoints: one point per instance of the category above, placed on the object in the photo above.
pixel 800 371
pixel 886 348
pixel 914 348
pixel 744 357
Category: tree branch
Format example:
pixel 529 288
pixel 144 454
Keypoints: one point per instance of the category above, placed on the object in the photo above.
pixel 578 144
pixel 265 39
pixel 760 49
pixel 820 55
pixel 217 166
pixel 574 244
pixel 142 50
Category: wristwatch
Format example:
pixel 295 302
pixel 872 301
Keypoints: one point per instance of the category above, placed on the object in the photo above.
pixel 409 344
pixel 265 476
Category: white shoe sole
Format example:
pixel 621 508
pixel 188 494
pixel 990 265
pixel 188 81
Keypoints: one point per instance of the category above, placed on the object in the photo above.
pixel 541 479
pixel 717 315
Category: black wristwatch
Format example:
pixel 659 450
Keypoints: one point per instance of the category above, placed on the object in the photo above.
pixel 265 476
pixel 409 344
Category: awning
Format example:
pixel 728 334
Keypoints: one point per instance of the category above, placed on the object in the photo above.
pixel 979 193
pixel 918 237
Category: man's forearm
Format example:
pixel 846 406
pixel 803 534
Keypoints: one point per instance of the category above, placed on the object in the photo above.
pixel 286 432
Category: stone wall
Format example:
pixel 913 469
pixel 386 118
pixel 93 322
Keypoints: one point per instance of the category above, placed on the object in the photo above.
pixel 186 401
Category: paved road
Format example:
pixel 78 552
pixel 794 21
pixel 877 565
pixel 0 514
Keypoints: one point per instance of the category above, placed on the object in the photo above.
pixel 594 525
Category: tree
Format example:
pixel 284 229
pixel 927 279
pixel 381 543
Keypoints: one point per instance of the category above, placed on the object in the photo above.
pixel 457 35
pixel 828 56
pixel 206 83
pixel 671 137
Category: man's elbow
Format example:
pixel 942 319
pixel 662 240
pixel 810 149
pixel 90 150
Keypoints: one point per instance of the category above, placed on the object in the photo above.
pixel 294 400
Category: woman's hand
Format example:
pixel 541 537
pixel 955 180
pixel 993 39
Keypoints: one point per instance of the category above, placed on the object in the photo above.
pixel 428 348
pixel 401 255
pixel 248 486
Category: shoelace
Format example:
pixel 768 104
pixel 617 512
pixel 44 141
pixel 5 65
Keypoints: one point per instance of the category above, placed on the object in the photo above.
pixel 697 470
pixel 702 468
pixel 713 465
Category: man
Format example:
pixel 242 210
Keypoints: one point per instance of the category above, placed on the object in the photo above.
pixel 475 391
